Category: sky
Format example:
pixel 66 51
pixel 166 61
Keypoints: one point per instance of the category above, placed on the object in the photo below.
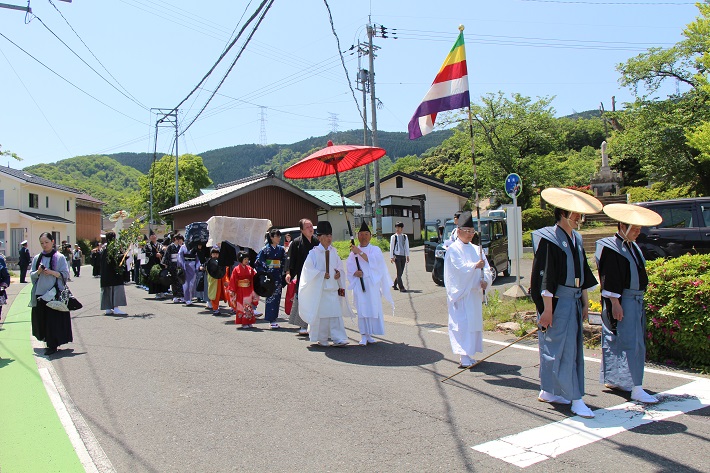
pixel 289 83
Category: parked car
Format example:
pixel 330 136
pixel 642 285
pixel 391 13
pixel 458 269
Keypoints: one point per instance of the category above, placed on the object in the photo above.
pixel 685 228
pixel 500 213
pixel 494 239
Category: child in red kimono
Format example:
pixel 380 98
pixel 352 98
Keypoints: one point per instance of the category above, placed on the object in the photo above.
pixel 242 297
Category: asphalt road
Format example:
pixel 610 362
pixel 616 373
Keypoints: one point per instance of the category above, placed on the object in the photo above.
pixel 173 388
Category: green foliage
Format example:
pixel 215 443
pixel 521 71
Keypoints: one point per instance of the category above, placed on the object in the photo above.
pixel 7 152
pixel 678 310
pixel 118 248
pixel 527 238
pixel 85 246
pixel 658 191
pixel 343 247
pixel 192 176
pixel 99 176
pixel 535 218
pixel 155 272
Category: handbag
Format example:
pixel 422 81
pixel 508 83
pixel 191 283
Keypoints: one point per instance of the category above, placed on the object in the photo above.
pixel 64 301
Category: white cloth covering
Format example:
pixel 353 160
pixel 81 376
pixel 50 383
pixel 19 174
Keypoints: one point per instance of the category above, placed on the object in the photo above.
pixel 318 298
pixel 377 285
pixel 246 232
pixel 465 297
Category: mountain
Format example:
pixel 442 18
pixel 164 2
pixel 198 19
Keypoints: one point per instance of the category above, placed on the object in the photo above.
pixel 236 162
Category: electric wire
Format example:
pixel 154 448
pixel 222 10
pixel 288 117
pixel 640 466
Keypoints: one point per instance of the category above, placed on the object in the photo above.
pixel 342 60
pixel 224 53
pixel 35 102
pixel 89 65
pixel 243 48
pixel 94 55
pixel 68 81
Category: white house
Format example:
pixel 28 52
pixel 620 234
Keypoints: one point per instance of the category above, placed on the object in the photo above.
pixel 30 205
pixel 413 199
pixel 332 211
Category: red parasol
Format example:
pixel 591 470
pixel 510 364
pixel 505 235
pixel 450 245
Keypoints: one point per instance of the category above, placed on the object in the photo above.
pixel 334 159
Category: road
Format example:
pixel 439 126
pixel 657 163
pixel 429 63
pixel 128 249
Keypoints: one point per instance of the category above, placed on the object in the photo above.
pixel 173 388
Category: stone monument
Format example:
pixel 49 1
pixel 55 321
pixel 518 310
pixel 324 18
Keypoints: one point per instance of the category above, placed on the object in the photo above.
pixel 606 181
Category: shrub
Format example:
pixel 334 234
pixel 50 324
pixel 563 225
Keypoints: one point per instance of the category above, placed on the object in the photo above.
pixel 527 238
pixel 657 191
pixel 678 311
pixel 85 246
pixel 343 247
pixel 537 218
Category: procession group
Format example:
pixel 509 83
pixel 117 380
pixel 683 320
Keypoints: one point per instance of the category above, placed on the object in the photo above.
pixel 319 282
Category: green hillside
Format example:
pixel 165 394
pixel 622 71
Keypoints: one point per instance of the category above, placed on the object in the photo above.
pixel 99 176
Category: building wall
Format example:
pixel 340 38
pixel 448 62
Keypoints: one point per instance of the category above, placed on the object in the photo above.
pixel 88 223
pixel 339 224
pixel 282 207
pixel 439 204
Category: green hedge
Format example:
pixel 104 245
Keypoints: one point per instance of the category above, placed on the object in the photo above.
pixel 678 311
pixel 535 218
pixel 343 247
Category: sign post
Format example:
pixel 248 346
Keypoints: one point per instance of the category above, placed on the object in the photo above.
pixel 513 187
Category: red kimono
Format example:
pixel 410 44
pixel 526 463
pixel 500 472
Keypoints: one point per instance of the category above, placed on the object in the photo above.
pixel 242 297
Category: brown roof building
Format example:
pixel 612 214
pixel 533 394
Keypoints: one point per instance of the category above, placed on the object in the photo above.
pixel 88 217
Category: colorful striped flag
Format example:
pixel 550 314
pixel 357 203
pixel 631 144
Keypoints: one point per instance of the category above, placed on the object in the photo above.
pixel 448 92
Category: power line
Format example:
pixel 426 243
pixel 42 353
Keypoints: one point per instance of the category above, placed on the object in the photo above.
pixel 67 80
pixel 246 42
pixel 94 55
pixel 88 65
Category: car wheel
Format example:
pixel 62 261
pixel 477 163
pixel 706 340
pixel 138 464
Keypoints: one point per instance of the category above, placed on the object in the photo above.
pixel 437 280
pixel 494 270
pixel 506 273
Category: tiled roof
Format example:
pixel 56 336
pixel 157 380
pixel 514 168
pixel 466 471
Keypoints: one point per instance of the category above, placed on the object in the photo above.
pixel 32 179
pixel 332 198
pixel 45 217
pixel 89 198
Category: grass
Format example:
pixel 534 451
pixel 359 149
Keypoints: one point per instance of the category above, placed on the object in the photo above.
pixel 498 311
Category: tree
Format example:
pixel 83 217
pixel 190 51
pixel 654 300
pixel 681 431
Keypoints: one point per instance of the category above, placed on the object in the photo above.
pixel 7 152
pixel 192 176
pixel 668 138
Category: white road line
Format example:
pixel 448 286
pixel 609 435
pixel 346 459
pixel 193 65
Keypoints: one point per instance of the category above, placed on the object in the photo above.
pixel 586 358
pixel 91 455
pixel 552 440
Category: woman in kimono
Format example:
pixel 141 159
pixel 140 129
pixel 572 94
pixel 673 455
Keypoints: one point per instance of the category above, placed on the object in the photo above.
pixel 242 297
pixel 558 285
pixel 269 260
pixel 622 270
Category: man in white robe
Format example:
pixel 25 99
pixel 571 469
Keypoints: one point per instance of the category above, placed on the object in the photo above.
pixel 467 275
pixel 374 276
pixel 320 304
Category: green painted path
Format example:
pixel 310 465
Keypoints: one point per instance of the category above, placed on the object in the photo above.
pixel 32 438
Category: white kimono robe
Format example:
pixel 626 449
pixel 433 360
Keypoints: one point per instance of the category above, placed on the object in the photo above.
pixel 465 297
pixel 377 284
pixel 318 302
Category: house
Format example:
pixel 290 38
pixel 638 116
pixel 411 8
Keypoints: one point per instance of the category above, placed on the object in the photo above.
pixel 88 217
pixel 31 205
pixel 260 196
pixel 335 215
pixel 412 198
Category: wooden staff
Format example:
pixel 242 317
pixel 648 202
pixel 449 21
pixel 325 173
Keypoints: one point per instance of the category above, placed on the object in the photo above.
pixel 483 359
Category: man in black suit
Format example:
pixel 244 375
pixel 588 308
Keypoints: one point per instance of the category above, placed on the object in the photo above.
pixel 24 262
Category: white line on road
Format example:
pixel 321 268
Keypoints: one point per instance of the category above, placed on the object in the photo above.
pixel 552 440
pixel 586 358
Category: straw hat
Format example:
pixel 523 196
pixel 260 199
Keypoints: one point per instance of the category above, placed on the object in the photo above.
pixel 633 215
pixel 574 201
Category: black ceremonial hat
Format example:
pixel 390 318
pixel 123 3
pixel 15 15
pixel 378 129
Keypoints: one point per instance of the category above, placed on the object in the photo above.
pixel 364 227
pixel 466 220
pixel 324 228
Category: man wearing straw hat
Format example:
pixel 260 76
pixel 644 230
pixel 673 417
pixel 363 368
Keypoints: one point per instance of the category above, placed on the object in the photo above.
pixel 558 285
pixel 622 270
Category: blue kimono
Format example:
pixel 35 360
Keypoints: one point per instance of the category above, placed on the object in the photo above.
pixel 622 275
pixel 269 260
pixel 560 267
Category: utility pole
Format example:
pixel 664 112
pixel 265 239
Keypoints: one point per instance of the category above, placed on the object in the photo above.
pixel 166 117
pixel 363 83
pixel 373 104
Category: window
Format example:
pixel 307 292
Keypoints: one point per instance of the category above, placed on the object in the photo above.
pixel 2 197
pixel 399 182
pixel 676 217
pixel 34 201
pixel 67 206
pixel 46 202
pixel 705 209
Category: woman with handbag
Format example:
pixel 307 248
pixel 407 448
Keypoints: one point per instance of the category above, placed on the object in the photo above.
pixel 49 270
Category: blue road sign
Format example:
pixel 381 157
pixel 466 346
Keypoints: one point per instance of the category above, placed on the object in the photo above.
pixel 513 185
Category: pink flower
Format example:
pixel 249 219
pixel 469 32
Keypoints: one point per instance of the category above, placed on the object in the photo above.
pixel 676 323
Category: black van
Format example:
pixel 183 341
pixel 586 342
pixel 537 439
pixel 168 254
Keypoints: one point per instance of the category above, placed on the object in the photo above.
pixel 685 228
pixel 494 239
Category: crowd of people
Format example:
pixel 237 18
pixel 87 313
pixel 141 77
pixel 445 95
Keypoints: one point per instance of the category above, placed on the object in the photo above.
pixel 317 281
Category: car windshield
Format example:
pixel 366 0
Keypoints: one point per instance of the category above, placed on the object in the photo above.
pixel 485 233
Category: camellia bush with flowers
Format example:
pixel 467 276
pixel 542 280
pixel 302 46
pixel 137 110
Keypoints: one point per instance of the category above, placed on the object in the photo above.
pixel 678 311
